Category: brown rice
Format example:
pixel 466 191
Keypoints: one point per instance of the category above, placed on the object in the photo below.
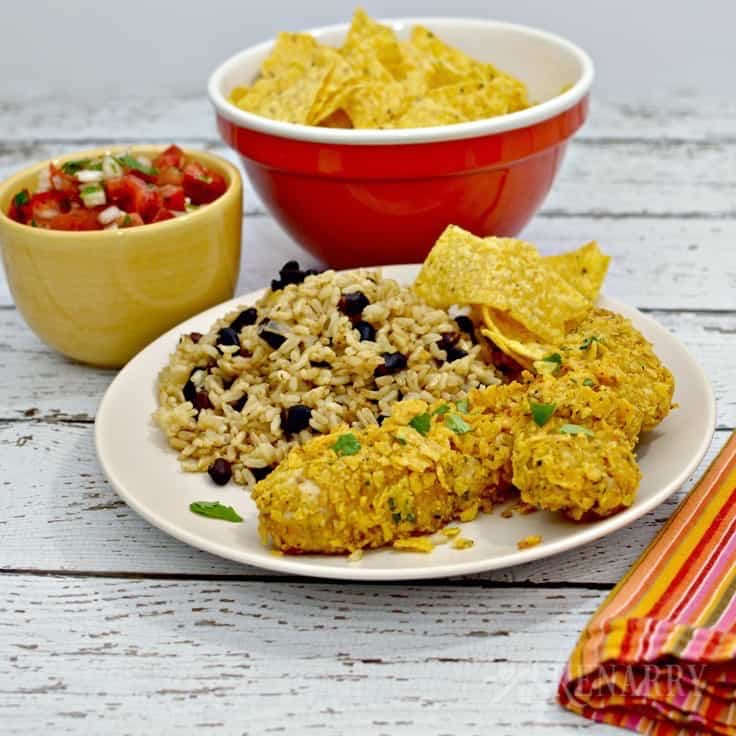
pixel 346 392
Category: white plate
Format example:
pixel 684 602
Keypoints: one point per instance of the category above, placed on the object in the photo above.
pixel 146 473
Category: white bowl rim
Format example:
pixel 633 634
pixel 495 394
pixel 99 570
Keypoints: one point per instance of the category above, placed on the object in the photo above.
pixel 369 137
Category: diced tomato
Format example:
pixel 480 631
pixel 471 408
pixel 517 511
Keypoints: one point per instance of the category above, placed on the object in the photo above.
pixel 174 197
pixel 62 182
pixel 169 175
pixel 79 218
pixel 130 220
pixel 202 186
pixel 45 206
pixel 20 207
pixel 172 156
pixel 163 214
pixel 132 194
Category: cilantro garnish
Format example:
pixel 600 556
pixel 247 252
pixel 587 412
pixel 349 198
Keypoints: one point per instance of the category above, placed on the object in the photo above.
pixel 555 358
pixel 541 413
pixel 441 409
pixel 347 444
pixel 91 189
pixel 21 198
pixel 215 510
pixel 588 382
pixel 422 423
pixel 575 429
pixel 457 424
pixel 133 163
pixel 71 167
pixel 463 406
pixel 585 344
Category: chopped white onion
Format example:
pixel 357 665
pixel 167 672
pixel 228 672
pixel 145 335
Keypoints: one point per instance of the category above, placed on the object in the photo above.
pixel 144 161
pixel 88 176
pixel 44 180
pixel 111 168
pixel 109 214
pixel 93 196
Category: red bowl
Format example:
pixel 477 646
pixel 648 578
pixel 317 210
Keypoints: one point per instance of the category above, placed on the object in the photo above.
pixel 365 197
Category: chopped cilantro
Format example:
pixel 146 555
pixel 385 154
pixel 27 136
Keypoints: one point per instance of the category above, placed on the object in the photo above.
pixel 21 198
pixel 553 358
pixel 588 382
pixel 127 220
pixel 585 344
pixel 400 440
pixel 575 429
pixel 396 516
pixel 441 409
pixel 457 424
pixel 422 423
pixel 463 406
pixel 91 189
pixel 133 163
pixel 347 444
pixel 215 510
pixel 71 167
pixel 541 413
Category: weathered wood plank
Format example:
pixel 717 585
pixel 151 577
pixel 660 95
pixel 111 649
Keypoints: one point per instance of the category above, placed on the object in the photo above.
pixel 138 656
pixel 34 377
pixel 676 114
pixel 601 178
pixel 54 494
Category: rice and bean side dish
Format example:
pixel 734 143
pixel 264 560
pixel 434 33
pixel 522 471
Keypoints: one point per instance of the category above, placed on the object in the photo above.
pixel 361 413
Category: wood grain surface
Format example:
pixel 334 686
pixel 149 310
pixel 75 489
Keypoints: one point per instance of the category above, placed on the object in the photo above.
pixel 108 626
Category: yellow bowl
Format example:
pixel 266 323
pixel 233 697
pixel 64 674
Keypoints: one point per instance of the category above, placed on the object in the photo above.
pixel 101 296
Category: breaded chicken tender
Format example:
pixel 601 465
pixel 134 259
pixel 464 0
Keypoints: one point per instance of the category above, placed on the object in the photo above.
pixel 587 474
pixel 605 349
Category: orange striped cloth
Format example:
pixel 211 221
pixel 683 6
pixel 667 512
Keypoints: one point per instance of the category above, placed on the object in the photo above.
pixel 659 656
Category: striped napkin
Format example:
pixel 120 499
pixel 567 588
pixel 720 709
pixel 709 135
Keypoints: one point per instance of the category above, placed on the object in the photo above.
pixel 659 656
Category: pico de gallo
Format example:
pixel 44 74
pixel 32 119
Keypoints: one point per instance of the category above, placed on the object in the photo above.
pixel 117 191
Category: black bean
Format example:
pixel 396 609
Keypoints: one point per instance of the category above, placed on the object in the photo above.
pixel 466 325
pixel 228 382
pixel 228 336
pixel 202 401
pixel 195 337
pixel 311 272
pixel 320 364
pixel 392 363
pixel 220 471
pixel 448 340
pixel 276 285
pixel 274 340
pixel 353 303
pixel 454 354
pixel 381 418
pixel 261 473
pixel 243 353
pixel 290 266
pixel 246 317
pixel 292 277
pixel 366 330
pixel 295 418
pixel 238 404
pixel 190 390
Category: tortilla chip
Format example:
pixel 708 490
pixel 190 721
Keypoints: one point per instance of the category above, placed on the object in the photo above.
pixel 292 51
pixel 505 274
pixel 426 112
pixel 513 338
pixel 288 97
pixel 332 92
pixel 584 268
pixel 375 104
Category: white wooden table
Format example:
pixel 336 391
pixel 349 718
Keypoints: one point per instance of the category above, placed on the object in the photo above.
pixel 109 626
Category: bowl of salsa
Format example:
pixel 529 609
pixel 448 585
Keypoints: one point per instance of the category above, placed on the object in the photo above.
pixel 106 249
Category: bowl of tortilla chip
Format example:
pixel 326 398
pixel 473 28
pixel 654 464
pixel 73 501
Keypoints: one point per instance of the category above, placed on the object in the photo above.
pixel 365 140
